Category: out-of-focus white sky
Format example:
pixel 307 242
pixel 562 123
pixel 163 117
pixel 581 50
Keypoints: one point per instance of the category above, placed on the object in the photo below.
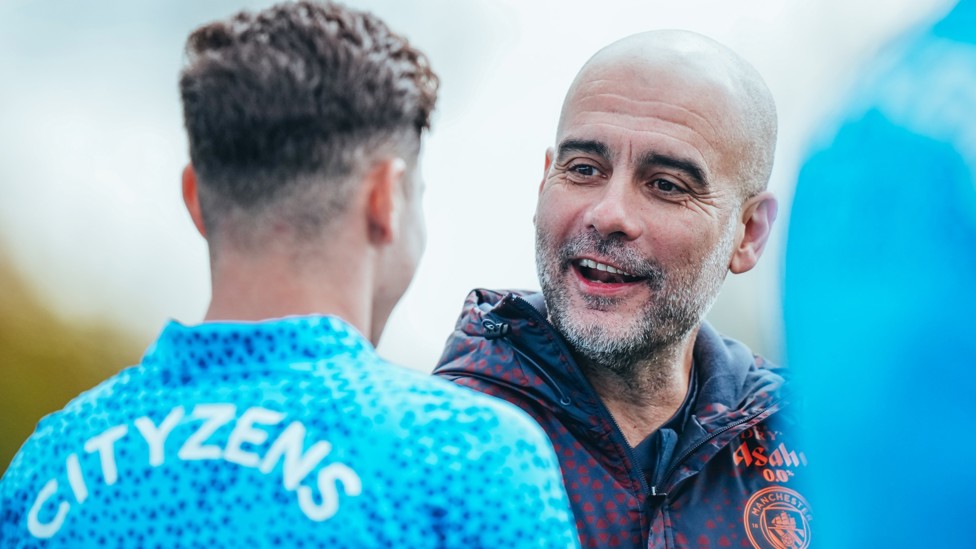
pixel 92 145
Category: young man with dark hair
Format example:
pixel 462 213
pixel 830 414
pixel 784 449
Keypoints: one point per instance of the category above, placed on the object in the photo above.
pixel 274 422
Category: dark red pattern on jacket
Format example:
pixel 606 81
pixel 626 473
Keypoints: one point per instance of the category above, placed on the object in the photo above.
pixel 701 502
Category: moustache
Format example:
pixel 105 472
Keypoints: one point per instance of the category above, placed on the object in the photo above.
pixel 615 250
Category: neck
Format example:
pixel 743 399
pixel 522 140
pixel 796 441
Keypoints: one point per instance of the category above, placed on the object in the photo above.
pixel 645 396
pixel 274 283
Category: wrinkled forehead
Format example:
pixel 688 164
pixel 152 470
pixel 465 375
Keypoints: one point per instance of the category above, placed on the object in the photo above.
pixel 677 107
pixel 679 83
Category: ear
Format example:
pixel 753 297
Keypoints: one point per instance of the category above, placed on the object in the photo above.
pixel 545 175
pixel 758 215
pixel 545 172
pixel 192 198
pixel 385 199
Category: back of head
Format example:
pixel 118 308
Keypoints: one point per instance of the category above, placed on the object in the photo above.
pixel 707 71
pixel 284 108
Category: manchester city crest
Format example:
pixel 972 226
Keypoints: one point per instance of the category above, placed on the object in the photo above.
pixel 777 518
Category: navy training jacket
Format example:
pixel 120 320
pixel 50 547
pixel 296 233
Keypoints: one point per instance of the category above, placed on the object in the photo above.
pixel 733 479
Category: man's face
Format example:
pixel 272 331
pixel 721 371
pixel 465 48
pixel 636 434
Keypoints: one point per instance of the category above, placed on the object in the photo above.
pixel 638 212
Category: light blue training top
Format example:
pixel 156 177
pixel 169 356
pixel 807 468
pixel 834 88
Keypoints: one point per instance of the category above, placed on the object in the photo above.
pixel 290 432
pixel 880 298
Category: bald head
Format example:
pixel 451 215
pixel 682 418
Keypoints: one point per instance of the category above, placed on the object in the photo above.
pixel 700 76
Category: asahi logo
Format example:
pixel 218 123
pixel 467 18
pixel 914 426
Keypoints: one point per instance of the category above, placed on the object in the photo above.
pixel 776 460
pixel 777 518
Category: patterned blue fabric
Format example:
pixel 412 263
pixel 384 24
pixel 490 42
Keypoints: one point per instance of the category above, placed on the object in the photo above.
pixel 286 433
pixel 880 300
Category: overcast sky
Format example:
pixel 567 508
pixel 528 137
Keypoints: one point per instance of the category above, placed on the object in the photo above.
pixel 91 143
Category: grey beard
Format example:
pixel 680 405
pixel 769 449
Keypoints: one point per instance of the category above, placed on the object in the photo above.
pixel 684 297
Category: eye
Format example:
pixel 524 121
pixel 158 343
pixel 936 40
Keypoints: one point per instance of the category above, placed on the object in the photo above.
pixel 584 170
pixel 666 186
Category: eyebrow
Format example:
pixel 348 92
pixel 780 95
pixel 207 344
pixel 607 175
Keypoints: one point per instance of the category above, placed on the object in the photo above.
pixel 583 146
pixel 690 167
pixel 598 148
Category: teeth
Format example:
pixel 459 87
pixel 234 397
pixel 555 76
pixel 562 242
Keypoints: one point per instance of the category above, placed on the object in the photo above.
pixel 589 263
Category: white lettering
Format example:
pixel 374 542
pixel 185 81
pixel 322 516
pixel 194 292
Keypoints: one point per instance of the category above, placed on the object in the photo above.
pixel 156 436
pixel 319 500
pixel 45 530
pixel 216 416
pixel 105 445
pixel 244 431
pixel 328 480
pixel 76 479
pixel 291 442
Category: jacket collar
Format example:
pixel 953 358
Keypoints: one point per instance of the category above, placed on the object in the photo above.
pixel 734 383
pixel 287 343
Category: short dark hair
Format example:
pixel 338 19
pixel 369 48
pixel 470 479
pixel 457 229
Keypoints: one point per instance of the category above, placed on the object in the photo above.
pixel 294 95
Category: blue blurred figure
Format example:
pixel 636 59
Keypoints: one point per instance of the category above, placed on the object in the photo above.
pixel 880 299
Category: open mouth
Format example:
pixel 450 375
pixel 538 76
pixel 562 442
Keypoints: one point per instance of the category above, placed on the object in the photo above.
pixel 602 273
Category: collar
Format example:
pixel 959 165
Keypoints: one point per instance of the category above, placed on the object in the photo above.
pixel 732 381
pixel 288 342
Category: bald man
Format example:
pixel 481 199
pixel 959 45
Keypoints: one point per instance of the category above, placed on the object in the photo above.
pixel 668 434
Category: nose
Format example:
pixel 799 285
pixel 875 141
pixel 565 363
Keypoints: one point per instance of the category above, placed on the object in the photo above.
pixel 615 213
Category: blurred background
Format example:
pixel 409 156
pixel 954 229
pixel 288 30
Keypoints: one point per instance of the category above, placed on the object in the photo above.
pixel 96 251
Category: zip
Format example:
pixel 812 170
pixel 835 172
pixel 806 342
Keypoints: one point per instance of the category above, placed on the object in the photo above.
pixel 618 432
pixel 704 441
pixel 474 375
pixel 630 451
pixel 647 490
pixel 563 397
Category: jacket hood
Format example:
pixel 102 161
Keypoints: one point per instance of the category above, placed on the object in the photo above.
pixel 733 382
pixel 503 345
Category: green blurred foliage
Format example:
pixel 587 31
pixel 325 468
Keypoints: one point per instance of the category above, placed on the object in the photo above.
pixel 45 361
